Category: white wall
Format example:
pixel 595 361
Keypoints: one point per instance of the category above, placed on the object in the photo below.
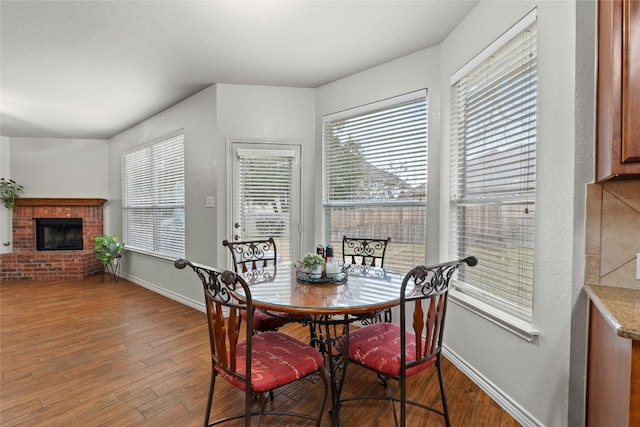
pixel 209 119
pixel 584 161
pixel 55 167
pixel 531 380
pixel 6 234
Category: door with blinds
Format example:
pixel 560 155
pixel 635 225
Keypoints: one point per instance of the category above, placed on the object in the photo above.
pixel 265 189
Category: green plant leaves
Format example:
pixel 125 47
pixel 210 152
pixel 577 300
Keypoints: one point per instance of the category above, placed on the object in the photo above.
pixel 9 190
pixel 107 247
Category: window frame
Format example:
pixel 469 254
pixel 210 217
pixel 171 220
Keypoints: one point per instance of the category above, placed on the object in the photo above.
pixel 416 206
pixel 475 299
pixel 157 206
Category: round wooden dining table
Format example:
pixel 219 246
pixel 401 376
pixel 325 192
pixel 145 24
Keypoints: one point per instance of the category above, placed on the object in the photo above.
pixel 365 289
pixel 328 308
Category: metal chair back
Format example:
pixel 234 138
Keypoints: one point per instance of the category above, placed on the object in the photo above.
pixel 371 252
pixel 252 254
pixel 364 251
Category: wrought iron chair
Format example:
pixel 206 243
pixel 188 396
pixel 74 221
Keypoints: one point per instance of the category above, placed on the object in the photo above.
pixel 258 364
pixel 254 255
pixel 371 252
pixel 357 250
pixel 396 352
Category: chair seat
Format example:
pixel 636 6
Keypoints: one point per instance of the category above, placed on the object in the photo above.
pixel 277 360
pixel 266 322
pixel 377 346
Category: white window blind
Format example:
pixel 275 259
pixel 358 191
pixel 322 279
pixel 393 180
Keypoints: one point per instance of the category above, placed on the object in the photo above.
pixel 265 185
pixel 153 197
pixel 494 171
pixel 375 177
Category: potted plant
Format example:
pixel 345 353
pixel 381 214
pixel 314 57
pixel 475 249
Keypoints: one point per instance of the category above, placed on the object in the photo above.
pixel 312 263
pixel 9 190
pixel 108 250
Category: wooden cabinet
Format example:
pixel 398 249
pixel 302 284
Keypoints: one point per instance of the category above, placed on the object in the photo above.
pixel 618 92
pixel 613 375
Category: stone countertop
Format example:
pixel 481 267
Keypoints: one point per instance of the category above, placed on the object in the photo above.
pixel 620 306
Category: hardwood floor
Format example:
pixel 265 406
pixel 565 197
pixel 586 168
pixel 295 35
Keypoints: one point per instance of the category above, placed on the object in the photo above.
pixel 85 353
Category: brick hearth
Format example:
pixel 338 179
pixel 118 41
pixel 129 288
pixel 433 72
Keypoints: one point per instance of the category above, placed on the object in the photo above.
pixel 26 263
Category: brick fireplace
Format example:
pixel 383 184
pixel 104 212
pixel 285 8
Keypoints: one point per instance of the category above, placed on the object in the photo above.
pixel 27 263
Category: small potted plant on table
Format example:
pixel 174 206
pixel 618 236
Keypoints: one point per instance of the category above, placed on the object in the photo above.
pixel 108 251
pixel 312 263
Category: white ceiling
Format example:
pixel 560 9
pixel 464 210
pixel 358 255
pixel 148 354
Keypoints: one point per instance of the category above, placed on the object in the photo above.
pixel 91 69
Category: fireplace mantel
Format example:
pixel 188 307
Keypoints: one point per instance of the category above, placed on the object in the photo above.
pixel 39 201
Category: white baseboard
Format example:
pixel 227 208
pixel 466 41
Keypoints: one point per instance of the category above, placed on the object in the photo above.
pixel 516 411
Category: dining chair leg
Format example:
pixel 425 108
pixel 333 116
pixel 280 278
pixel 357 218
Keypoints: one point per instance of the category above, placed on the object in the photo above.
pixel 382 380
pixel 442 394
pixel 393 401
pixel 212 384
pixel 257 396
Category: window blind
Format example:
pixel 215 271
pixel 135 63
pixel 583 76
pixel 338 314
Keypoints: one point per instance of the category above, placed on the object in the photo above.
pixel 493 141
pixel 153 197
pixel 265 185
pixel 375 177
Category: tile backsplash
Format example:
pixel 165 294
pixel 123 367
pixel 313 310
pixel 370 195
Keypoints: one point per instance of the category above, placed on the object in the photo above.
pixel 613 234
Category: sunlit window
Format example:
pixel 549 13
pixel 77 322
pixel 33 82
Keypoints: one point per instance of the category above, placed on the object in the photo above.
pixel 375 177
pixel 153 203
pixel 494 105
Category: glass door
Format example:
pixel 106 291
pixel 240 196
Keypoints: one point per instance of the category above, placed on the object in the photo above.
pixel 265 188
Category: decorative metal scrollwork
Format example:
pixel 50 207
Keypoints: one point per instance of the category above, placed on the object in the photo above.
pixel 364 247
pixel 367 270
pixel 218 285
pixel 435 280
pixel 261 275
pixel 252 251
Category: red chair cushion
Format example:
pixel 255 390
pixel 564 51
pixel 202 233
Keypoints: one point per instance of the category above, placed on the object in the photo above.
pixel 377 346
pixel 277 360
pixel 264 322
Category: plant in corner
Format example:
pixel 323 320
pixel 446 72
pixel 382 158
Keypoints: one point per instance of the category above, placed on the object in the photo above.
pixel 9 190
pixel 106 248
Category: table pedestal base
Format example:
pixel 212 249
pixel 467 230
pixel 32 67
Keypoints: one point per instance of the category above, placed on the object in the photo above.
pixel 328 335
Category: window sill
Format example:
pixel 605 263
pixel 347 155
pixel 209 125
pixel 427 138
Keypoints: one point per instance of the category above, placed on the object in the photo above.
pixel 506 321
pixel 151 254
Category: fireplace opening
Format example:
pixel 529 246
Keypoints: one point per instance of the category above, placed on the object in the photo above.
pixel 59 234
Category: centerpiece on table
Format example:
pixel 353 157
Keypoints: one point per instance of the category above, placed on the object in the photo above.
pixel 314 268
